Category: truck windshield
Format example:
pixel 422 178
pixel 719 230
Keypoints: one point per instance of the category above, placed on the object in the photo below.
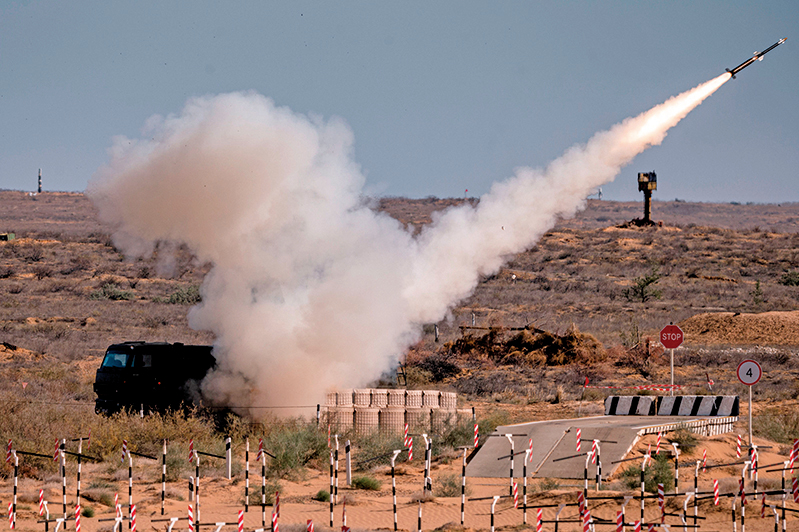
pixel 116 360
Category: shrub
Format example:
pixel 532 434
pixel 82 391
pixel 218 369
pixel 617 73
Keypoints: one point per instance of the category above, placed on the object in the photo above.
pixel 110 291
pixel 42 271
pixel 757 294
pixel 322 495
pixel 643 288
pixel 777 425
pixel 456 435
pixel 257 492
pixel 790 279
pixel 439 366
pixel 547 484
pixel 366 483
pixel 449 486
pixel 375 450
pixel 15 288
pixel 416 377
pixel 659 471
pixel 87 511
pixel 182 296
pixel 6 272
pixel 293 445
pixel 490 422
pixel 99 495
pixel 35 253
pixel 79 263
pixel 685 439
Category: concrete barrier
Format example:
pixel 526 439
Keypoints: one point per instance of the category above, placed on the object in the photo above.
pixel 678 405
pixel 630 405
pixel 699 405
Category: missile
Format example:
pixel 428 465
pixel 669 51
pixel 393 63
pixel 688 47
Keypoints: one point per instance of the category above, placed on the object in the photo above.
pixel 758 56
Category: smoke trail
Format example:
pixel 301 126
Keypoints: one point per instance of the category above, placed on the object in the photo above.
pixel 310 288
pixel 467 242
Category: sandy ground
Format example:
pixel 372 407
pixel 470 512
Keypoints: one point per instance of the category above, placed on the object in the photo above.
pixel 766 328
pixel 222 499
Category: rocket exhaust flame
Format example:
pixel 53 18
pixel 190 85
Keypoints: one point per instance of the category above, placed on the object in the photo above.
pixel 309 287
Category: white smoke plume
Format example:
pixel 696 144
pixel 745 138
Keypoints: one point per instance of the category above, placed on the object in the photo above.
pixel 310 289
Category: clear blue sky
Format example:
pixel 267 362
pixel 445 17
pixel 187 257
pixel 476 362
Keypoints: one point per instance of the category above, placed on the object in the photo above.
pixel 441 96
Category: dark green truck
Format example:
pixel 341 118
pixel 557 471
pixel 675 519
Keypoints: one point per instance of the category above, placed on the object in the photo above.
pixel 151 377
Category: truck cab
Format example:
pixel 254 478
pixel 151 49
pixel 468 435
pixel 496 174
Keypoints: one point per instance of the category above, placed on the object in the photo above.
pixel 151 376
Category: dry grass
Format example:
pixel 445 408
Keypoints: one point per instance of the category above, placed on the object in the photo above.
pixel 572 280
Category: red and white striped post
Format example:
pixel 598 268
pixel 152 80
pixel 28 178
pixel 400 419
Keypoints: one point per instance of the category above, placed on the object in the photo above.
pixel 578 439
pixel 715 493
pixel 476 435
pixel 191 519
pixel 309 525
pixel 619 521
pixel 662 503
pixel 133 518
pixel 539 520
pixel 77 518
pixel 241 521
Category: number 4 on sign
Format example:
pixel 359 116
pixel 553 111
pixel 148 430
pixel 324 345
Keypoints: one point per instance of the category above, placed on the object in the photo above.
pixel 749 372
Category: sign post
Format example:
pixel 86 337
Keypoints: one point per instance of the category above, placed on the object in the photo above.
pixel 671 336
pixel 749 372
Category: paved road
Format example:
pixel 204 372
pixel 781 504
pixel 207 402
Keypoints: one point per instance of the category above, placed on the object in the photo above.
pixel 554 440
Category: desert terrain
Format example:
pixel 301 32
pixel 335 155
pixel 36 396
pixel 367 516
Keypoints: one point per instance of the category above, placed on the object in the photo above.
pixel 586 302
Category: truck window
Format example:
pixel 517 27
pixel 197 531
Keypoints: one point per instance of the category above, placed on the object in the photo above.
pixel 115 360
pixel 142 360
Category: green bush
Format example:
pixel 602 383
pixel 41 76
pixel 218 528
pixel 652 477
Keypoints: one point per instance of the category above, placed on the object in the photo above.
pixel 685 439
pixel 777 425
pixel 182 296
pixel 87 511
pixel 660 470
pixel 456 435
pixel 112 292
pixel 376 449
pixel 490 422
pixel 294 444
pixel 643 288
pixel 366 483
pixel 790 279
pixel 322 495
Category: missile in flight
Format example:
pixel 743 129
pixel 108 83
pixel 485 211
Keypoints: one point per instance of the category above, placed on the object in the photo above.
pixel 758 56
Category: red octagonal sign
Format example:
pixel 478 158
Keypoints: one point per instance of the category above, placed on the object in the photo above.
pixel 671 336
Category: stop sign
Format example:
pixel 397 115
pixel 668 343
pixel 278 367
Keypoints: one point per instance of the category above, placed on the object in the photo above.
pixel 671 336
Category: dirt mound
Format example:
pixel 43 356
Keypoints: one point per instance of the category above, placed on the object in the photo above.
pixel 12 353
pixel 767 328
